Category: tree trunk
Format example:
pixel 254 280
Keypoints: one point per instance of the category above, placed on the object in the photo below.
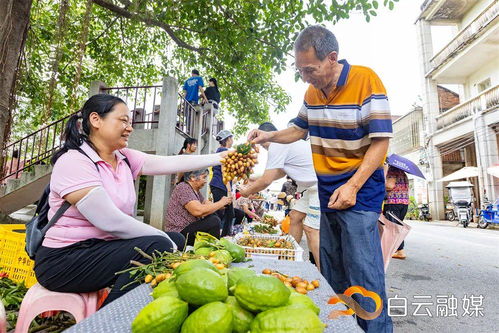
pixel 61 30
pixel 81 51
pixel 14 21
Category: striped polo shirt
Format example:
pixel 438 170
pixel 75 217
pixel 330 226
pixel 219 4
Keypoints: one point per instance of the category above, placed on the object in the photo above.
pixel 341 127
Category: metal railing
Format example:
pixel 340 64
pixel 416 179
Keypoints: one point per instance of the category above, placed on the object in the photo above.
pixel 186 116
pixel 35 148
pixel 482 102
pixel 205 122
pixel 219 125
pixel 466 35
pixel 143 101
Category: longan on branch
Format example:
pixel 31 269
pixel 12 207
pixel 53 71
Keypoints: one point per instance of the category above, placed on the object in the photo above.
pixel 238 165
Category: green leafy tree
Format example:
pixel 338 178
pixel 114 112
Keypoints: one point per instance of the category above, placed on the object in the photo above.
pixel 243 43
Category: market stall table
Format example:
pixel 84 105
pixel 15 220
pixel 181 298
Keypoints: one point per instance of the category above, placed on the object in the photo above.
pixel 117 317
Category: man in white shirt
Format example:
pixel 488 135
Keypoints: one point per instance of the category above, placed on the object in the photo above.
pixel 294 160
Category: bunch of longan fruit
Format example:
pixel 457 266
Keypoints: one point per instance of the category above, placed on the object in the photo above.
pixel 238 165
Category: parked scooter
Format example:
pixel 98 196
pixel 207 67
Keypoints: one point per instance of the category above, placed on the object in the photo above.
pixel 461 196
pixel 424 212
pixel 489 215
pixel 450 209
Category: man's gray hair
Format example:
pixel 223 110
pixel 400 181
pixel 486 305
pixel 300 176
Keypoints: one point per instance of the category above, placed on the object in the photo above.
pixel 321 39
pixel 194 174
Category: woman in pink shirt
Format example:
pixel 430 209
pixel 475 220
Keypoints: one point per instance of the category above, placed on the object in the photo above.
pixel 94 172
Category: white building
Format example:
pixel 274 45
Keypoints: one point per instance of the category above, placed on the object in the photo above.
pixel 407 141
pixel 466 134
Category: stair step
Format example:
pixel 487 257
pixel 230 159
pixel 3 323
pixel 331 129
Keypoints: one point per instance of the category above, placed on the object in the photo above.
pixel 12 185
pixel 27 176
pixel 42 170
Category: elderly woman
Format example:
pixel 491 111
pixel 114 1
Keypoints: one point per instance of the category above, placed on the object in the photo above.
pixel 188 212
pixel 92 187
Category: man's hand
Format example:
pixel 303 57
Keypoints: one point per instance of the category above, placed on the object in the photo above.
pixel 256 136
pixel 226 200
pixel 343 197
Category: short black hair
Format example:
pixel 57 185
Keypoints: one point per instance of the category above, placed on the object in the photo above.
pixel 267 127
pixel 195 71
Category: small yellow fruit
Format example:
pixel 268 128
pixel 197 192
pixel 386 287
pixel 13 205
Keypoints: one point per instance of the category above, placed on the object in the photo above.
pixel 301 290
pixel 160 277
pixel 301 285
pixel 148 278
pixel 214 260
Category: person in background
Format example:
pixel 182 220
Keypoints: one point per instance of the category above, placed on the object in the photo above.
pixel 212 93
pixel 245 204
pixel 188 212
pixel 218 188
pixel 289 186
pixel 193 86
pixel 397 200
pixel 281 200
pixel 273 202
pixel 189 147
pixel 94 172
pixel 266 197
pixel 13 165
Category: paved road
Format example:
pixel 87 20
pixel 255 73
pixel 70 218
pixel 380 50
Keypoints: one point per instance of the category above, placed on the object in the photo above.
pixel 448 261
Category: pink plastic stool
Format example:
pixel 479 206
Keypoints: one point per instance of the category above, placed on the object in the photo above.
pixel 3 319
pixel 39 299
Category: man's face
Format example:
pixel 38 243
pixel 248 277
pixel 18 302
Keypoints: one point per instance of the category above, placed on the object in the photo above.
pixel 314 71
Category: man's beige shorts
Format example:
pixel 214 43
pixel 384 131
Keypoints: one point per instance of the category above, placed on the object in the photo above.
pixel 309 204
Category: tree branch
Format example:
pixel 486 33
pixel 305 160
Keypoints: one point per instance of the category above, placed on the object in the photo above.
pixel 149 21
pixel 230 17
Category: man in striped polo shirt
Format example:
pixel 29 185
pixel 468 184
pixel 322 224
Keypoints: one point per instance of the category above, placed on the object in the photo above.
pixel 346 114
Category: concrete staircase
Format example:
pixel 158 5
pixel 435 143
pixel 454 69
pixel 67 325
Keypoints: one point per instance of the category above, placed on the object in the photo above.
pixel 21 192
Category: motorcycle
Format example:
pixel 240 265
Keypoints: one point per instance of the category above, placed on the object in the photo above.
pixel 461 196
pixel 489 215
pixel 424 212
pixel 450 214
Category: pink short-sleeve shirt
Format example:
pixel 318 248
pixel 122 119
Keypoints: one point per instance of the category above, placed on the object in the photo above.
pixel 74 171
